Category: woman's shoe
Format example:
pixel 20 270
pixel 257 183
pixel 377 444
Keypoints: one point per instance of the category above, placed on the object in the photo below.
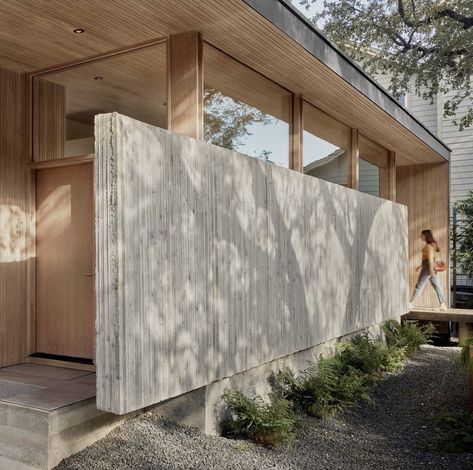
pixel 443 307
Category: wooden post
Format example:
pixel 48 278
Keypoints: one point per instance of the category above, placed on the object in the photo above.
pixel 470 374
pixel 296 135
pixel 387 181
pixel 185 84
pixel 354 161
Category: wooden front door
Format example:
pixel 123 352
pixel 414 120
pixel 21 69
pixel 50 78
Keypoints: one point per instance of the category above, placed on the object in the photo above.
pixel 64 263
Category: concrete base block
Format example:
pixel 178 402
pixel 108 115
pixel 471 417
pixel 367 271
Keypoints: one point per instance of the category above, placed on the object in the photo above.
pixel 205 408
pixel 188 409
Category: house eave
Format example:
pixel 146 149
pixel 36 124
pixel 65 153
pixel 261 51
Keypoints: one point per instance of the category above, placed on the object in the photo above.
pixel 295 25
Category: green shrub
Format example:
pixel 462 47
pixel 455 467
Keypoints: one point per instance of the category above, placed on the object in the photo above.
pixel 270 424
pixel 465 353
pixel 325 388
pixel 341 381
pixel 454 431
pixel 370 356
pixel 407 335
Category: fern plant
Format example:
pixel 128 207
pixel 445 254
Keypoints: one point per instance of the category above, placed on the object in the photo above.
pixel 269 424
pixel 408 335
pixel 465 353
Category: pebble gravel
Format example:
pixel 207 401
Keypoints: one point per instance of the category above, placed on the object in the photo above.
pixel 392 431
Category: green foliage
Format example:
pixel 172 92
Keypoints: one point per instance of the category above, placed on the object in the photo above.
pixel 454 431
pixel 341 381
pixel 407 335
pixel 465 353
pixel 270 424
pixel 371 357
pixel 227 120
pixel 331 385
pixel 427 44
pixel 464 235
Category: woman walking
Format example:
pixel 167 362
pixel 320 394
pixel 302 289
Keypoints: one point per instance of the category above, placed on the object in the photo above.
pixel 427 270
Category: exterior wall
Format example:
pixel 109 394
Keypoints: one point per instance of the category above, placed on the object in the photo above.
pixel 13 217
pixel 424 190
pixel 209 263
pixel 205 407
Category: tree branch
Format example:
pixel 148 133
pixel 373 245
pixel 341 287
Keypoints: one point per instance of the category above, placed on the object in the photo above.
pixel 466 21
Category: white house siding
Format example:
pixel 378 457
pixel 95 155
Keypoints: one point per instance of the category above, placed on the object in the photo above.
pixel 461 142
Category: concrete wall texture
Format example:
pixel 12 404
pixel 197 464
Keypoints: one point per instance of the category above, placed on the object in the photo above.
pixel 210 263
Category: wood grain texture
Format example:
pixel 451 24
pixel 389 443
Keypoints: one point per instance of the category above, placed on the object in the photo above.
pixel 49 120
pixel 236 262
pixel 133 83
pixel 185 84
pixel 13 216
pixel 64 261
pixel 231 25
pixel 424 190
pixel 354 160
pixel 296 135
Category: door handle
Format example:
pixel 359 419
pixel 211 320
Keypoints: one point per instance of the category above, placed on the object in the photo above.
pixel 88 274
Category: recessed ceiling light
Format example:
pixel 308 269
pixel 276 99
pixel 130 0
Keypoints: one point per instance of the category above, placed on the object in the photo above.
pixel 78 31
pixel 98 78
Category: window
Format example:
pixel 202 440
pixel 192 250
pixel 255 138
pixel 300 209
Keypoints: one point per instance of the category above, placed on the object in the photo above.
pixel 244 111
pixel 326 146
pixel 66 102
pixel 373 167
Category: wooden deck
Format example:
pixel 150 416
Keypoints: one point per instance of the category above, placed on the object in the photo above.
pixel 452 314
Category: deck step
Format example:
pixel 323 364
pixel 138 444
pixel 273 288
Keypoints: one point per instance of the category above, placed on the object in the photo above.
pixel 430 314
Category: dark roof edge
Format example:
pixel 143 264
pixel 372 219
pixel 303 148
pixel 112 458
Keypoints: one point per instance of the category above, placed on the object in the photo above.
pixel 294 24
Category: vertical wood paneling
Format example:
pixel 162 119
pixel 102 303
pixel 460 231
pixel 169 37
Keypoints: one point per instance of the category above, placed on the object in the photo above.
pixel 354 161
pixel 13 216
pixel 296 134
pixel 210 262
pixel 424 190
pixel 49 128
pixel 185 84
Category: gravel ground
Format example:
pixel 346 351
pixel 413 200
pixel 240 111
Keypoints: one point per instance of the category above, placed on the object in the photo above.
pixel 393 431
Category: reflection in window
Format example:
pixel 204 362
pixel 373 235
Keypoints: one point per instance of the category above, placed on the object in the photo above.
pixel 373 166
pixel 66 102
pixel 244 111
pixel 326 145
pixel 368 178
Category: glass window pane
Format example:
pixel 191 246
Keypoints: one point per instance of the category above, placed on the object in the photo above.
pixel 368 178
pixel 244 111
pixel 373 162
pixel 66 102
pixel 326 145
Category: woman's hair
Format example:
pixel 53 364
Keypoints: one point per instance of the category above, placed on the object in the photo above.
pixel 429 238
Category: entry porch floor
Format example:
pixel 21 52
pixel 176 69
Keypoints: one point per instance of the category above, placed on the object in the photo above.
pixel 46 414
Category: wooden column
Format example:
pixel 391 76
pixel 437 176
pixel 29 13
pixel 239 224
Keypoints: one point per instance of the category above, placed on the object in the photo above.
pixel 470 373
pixel 185 84
pixel 387 179
pixel 13 216
pixel 49 130
pixel 354 161
pixel 296 133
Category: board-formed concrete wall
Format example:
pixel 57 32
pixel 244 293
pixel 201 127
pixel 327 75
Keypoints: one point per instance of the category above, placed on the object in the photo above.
pixel 209 262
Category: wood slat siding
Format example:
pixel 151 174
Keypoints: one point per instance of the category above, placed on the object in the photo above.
pixel 13 217
pixel 424 190
pixel 209 262
pixel 232 26
pixel 49 130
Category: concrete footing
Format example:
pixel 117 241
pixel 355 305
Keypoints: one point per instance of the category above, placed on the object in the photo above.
pixel 31 438
pixel 205 409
